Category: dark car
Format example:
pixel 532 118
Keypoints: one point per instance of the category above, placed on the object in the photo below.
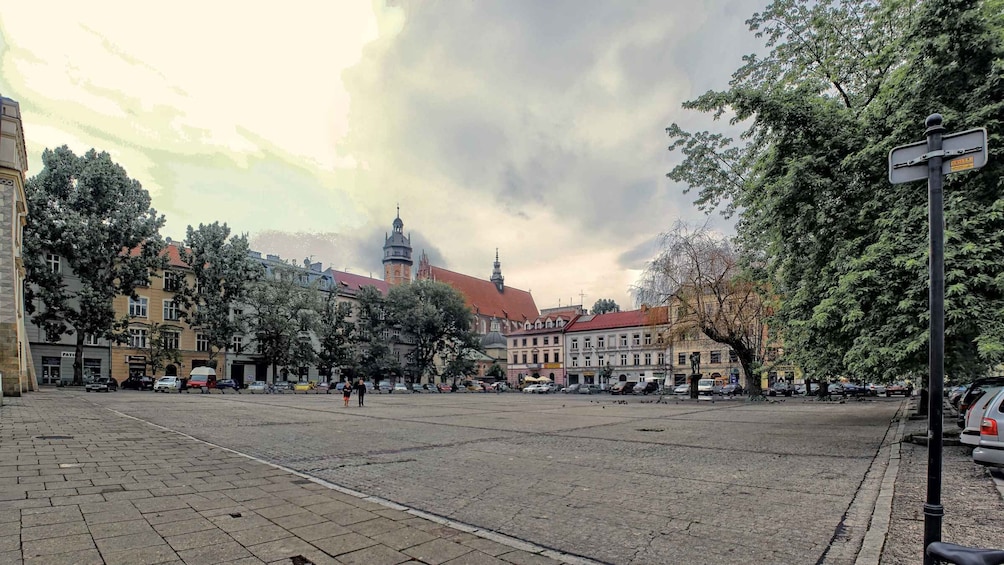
pixel 645 388
pixel 973 393
pixel 622 387
pixel 137 382
pixel 228 383
pixel 781 388
pixel 851 389
pixel 102 384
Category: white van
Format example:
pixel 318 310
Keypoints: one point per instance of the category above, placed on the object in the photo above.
pixel 708 387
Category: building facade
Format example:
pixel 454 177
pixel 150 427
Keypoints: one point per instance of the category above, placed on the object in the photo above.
pixel 16 370
pixel 538 348
pixel 397 260
pixel 606 348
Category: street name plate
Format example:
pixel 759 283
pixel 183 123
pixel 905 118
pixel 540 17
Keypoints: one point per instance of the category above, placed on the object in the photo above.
pixel 964 151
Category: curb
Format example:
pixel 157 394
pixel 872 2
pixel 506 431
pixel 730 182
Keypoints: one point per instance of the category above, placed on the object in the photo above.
pixel 874 542
pixel 491 535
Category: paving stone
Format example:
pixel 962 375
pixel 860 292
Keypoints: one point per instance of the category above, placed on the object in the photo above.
pixel 10 543
pixel 477 558
pixel 11 558
pixel 487 546
pixel 246 521
pixel 171 516
pixel 375 527
pixel 83 557
pixel 337 545
pixel 375 555
pixel 114 529
pixel 51 516
pixel 255 536
pixel 64 544
pixel 183 526
pixel 320 531
pixel 162 504
pixel 298 520
pixel 520 557
pixel 143 556
pixel 347 517
pixel 199 538
pixel 281 549
pixel 131 541
pixel 219 552
pixel 437 551
pixel 111 517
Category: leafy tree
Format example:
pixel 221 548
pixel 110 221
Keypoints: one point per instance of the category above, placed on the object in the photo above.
pixel 496 371
pixel 161 347
pixel 432 316
pixel 89 212
pixel 604 305
pixel 456 356
pixel 372 350
pixel 335 334
pixel 846 252
pixel 223 274
pixel 283 315
pixel 699 275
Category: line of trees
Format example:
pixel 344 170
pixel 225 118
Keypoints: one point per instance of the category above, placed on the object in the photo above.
pixel 87 211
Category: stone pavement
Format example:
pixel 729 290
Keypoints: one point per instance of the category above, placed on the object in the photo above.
pixel 81 485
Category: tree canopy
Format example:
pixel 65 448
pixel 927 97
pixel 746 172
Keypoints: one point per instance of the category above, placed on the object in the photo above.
pixel 87 211
pixel 604 305
pixel 843 83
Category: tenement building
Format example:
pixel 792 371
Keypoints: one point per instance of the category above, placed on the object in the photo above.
pixel 538 349
pixel 606 348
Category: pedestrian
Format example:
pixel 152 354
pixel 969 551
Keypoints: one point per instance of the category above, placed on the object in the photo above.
pixel 346 393
pixel 360 391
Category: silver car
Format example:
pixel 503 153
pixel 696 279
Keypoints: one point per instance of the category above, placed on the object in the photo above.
pixel 991 449
pixel 974 416
pixel 167 384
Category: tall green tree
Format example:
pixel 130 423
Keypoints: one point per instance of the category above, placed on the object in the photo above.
pixel 846 252
pixel 283 308
pixel 223 274
pixel 604 305
pixel 161 347
pixel 88 211
pixel 335 335
pixel 433 317
pixel 372 352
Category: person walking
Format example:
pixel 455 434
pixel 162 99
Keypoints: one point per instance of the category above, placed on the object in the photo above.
pixel 360 391
pixel 346 393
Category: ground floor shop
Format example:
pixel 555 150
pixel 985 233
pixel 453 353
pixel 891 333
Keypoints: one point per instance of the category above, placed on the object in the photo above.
pixel 53 362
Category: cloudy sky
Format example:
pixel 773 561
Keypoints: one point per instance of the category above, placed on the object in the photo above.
pixel 534 127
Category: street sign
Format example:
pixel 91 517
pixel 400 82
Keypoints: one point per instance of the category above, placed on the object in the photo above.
pixel 963 151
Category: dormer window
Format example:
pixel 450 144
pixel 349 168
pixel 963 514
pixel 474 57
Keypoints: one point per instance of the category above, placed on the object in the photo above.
pixel 527 326
pixel 550 324
pixel 561 323
pixel 537 325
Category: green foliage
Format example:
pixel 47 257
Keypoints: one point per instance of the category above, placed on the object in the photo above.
pixel 283 317
pixel 159 349
pixel 433 318
pixel 496 371
pixel 335 334
pixel 373 358
pixel 604 305
pixel 844 82
pixel 223 274
pixel 89 212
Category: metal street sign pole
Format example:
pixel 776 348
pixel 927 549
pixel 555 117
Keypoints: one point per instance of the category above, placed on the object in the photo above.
pixel 938 156
pixel 933 510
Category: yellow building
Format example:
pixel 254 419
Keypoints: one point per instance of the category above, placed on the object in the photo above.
pixel 156 310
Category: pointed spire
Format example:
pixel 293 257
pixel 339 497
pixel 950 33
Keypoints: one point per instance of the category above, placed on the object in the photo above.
pixel 497 277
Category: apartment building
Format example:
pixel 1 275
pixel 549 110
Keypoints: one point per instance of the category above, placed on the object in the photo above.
pixel 538 348
pixel 606 348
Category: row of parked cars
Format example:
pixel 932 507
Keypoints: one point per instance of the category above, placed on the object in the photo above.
pixel 981 417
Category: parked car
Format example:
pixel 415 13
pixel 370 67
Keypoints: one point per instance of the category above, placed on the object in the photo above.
pixel 500 386
pixel 645 388
pixel 399 387
pixel 622 387
pixel 732 389
pixel 781 388
pixel 973 393
pixel 102 384
pixel 851 389
pixel 168 384
pixel 383 386
pixel 875 389
pixel 956 393
pixel 990 451
pixel 708 387
pixel 228 384
pixel 203 383
pixel 571 389
pixel 304 386
pixel 589 389
pixel 682 389
pixel 973 418
pixel 258 387
pixel 137 382
pixel 899 388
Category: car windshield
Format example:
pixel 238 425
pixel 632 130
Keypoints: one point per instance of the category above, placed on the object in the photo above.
pixel 706 382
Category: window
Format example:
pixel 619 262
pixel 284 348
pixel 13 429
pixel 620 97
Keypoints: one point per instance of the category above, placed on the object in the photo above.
pixel 648 358
pixel 733 358
pixel 52 261
pixel 172 281
pixel 662 359
pixel 524 342
pixel 636 339
pixel 623 359
pixel 524 358
pixel 137 308
pixel 637 359
pixel 137 338
pixel 599 342
pixel 535 341
pixel 599 360
pixel 623 340
pixel 575 344
pixel 535 361
pixel 589 361
pixel 648 339
pixel 515 358
pixel 588 343
pixel 659 339
pixel 681 359
pixel 514 343
pixel 238 313
pixel 171 339
pixel 201 342
pixel 575 361
pixel 237 343
pixel 549 324
pixel 171 310
pixel 716 356
pixel 556 340
pixel 90 339
pixel 546 340
pixel 546 357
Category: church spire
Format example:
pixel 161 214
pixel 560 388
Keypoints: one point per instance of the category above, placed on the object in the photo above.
pixel 497 277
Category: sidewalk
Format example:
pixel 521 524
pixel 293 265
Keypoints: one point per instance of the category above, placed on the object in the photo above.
pixel 80 485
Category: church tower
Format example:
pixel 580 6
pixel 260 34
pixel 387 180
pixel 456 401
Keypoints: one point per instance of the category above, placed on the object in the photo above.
pixel 397 254
pixel 497 277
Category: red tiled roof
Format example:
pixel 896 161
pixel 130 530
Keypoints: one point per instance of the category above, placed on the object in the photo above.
pixel 353 282
pixel 483 298
pixel 610 320
pixel 170 250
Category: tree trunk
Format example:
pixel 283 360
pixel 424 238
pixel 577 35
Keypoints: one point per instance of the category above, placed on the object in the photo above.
pixel 808 387
pixel 78 360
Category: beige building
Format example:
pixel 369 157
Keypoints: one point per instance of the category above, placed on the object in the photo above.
pixel 15 354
